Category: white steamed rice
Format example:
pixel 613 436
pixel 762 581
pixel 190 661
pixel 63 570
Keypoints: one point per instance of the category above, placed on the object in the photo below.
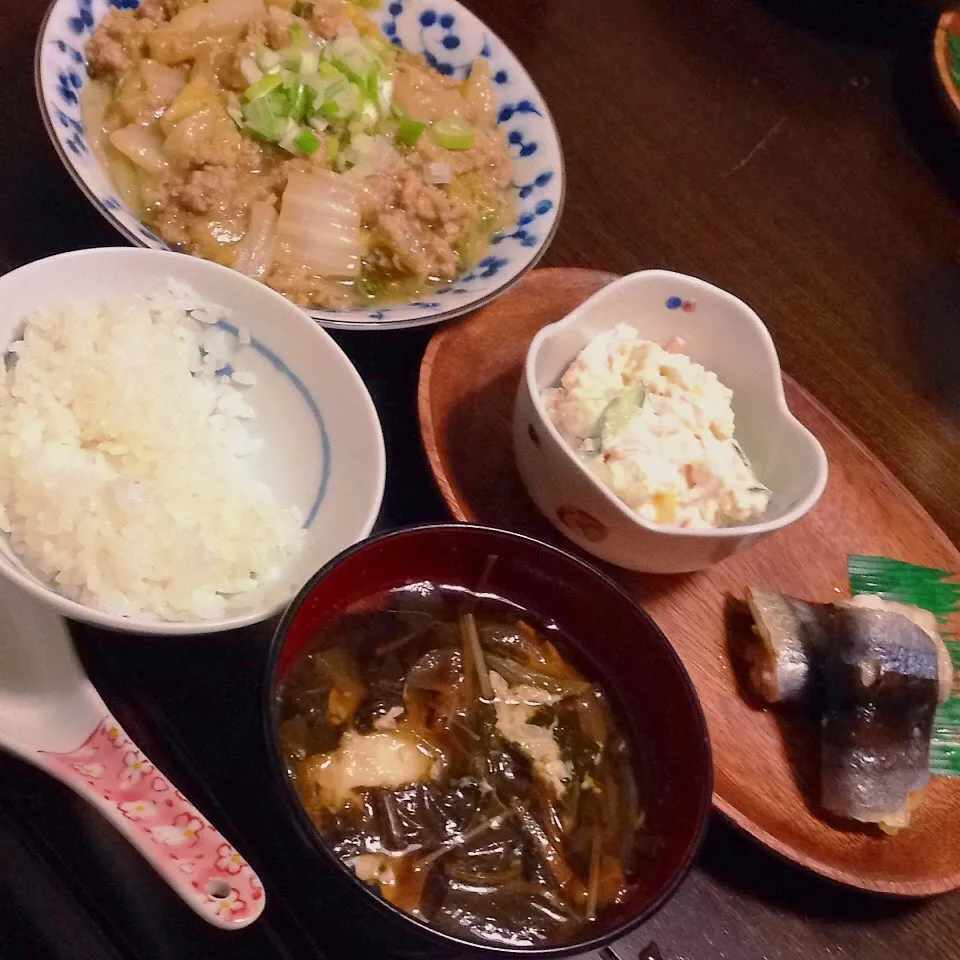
pixel 124 460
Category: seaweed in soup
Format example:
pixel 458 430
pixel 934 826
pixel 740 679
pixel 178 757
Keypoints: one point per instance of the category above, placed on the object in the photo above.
pixel 451 755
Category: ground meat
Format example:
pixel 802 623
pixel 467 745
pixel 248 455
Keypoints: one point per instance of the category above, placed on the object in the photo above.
pixel 278 27
pixel 401 184
pixel 146 91
pixel 414 248
pixel 205 210
pixel 117 43
pixel 271 28
pixel 225 148
pixel 231 74
pixel 379 187
pixel 212 153
pixel 256 33
pixel 284 168
pixel 209 235
pixel 489 157
pixel 170 224
pixel 206 188
pixel 329 17
pixel 159 11
pixel 302 287
pixel 418 223
pixel 429 203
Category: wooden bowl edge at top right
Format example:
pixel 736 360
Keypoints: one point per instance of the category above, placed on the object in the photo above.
pixel 950 95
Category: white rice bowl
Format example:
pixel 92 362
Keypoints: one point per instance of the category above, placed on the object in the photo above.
pixel 124 474
pixel 174 474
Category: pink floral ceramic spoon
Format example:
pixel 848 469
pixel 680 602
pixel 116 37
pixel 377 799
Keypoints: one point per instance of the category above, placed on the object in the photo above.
pixel 52 717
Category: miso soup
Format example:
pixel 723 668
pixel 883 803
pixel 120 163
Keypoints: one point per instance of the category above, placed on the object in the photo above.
pixel 454 759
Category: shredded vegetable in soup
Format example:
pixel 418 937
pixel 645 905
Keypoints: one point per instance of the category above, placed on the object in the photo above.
pixel 294 143
pixel 450 755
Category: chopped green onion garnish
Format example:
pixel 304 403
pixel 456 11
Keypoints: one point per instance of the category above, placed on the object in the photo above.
pixel 310 96
pixel 266 84
pixel 301 44
pixel 298 96
pixel 384 95
pixel 309 64
pixel 251 72
pixel 278 101
pixel 408 133
pixel 290 133
pixel 329 90
pixel 329 109
pixel 371 85
pixel 348 100
pixel 307 141
pixel 235 109
pixel 451 133
pixel 346 70
pixel 328 70
pixel 310 88
pixel 260 119
pixel 267 58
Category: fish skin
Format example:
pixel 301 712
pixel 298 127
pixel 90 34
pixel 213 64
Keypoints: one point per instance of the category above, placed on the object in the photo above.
pixel 789 631
pixel 880 692
pixel 927 622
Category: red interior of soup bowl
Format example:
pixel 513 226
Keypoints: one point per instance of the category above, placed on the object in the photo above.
pixel 613 642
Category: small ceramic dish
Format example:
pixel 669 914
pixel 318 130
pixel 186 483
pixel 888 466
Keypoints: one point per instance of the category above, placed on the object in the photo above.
pixel 946 59
pixel 608 637
pixel 724 335
pixel 451 38
pixel 322 446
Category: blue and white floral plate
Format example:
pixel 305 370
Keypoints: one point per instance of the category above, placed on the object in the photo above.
pixel 450 37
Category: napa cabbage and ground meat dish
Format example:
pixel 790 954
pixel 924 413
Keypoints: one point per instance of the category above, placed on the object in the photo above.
pixel 454 759
pixel 292 142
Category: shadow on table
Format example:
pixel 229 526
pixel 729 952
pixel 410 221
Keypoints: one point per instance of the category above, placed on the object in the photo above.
pixel 933 303
pixel 743 865
pixel 931 300
pixel 881 23
pixel 389 363
pixel 44 212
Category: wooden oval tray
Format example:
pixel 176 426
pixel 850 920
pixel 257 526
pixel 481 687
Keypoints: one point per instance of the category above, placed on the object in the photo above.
pixel 762 761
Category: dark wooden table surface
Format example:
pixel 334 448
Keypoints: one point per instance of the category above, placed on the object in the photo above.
pixel 792 151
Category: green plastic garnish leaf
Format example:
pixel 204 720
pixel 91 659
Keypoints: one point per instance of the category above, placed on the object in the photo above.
pixel 953 44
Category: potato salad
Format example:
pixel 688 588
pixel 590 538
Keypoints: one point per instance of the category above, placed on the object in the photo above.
pixel 656 429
